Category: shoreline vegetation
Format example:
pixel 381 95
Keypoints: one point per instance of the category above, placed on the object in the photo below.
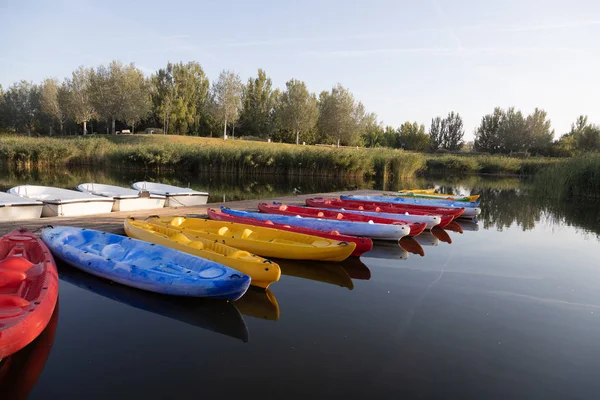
pixel 196 154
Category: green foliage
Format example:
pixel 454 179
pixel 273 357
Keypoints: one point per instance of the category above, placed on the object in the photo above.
pixel 447 133
pixel 340 117
pixel 258 103
pixel 226 99
pixel 22 106
pixel 296 113
pixel 412 136
pixel 80 107
pixel 579 176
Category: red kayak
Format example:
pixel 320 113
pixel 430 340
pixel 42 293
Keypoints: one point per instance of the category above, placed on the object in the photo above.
pixel 446 214
pixel 415 227
pixel 28 289
pixel 362 244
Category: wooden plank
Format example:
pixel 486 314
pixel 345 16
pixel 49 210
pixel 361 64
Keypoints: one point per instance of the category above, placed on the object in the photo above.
pixel 113 222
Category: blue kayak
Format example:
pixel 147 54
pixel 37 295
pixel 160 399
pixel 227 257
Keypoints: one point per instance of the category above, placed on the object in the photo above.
pixel 370 230
pixel 417 201
pixel 144 265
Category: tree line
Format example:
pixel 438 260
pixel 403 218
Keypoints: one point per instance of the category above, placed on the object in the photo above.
pixel 180 99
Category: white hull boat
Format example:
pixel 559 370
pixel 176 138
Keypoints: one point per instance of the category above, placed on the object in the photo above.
pixel 176 196
pixel 63 202
pixel 125 199
pixel 16 208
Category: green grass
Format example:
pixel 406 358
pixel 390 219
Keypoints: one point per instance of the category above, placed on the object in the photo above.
pixel 576 177
pixel 160 152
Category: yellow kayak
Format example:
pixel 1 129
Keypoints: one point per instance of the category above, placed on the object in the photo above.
pixel 438 196
pixel 266 242
pixel 262 271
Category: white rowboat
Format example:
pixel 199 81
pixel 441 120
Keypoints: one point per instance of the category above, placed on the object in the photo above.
pixel 176 196
pixel 16 208
pixel 125 199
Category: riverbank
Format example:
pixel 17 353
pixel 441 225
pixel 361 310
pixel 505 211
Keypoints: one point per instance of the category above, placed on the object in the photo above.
pixel 247 157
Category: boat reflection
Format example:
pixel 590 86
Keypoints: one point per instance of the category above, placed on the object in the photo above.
pixel 388 250
pixel 214 315
pixel 411 245
pixel 320 271
pixel 441 234
pixel 427 239
pixel 467 225
pixel 20 371
pixel 453 227
pixel 356 269
pixel 259 303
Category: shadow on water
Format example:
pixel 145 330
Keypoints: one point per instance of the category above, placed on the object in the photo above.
pixel 20 371
pixel 214 315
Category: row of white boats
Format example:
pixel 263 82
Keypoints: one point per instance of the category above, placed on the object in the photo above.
pixel 29 202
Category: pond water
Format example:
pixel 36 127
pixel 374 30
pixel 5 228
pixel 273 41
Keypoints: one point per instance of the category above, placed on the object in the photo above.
pixel 507 309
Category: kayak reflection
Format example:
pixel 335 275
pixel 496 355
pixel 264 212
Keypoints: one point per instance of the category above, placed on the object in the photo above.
pixel 319 271
pixel 20 371
pixel 356 269
pixel 214 315
pixel 411 245
pixel 427 239
pixel 454 227
pixel 259 303
pixel 441 234
pixel 388 250
pixel 467 225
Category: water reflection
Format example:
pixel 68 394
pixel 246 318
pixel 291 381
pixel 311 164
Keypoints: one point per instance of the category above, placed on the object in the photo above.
pixel 20 371
pixel 259 303
pixel 427 239
pixel 411 245
pixel 389 250
pixel 326 272
pixel 213 315
pixel 441 234
pixel 356 269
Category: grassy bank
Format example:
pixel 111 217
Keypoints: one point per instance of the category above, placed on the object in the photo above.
pixel 575 177
pixel 237 156
pixel 208 155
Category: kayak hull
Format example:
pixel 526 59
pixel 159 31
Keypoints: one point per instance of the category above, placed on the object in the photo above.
pixel 144 265
pixel 28 287
pixel 373 231
pixel 262 271
pixel 354 216
pixel 363 244
pixel 469 211
pixel 263 241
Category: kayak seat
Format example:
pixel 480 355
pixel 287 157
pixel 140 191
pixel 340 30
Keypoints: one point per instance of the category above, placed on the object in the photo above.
pixel 283 207
pixel 223 230
pixel 113 251
pixel 11 277
pixel 321 243
pixel 377 209
pixel 361 208
pixel 246 234
pixel 240 254
pixel 340 216
pixel 268 222
pixel 180 238
pixel 11 306
pixel 320 214
pixel 196 245
pixel 177 221
pixel 15 263
pixel 333 232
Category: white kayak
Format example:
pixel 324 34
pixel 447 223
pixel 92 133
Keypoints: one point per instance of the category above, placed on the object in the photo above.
pixel 125 199
pixel 16 208
pixel 63 202
pixel 176 196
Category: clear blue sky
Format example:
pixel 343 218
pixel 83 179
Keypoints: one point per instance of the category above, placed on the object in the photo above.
pixel 405 60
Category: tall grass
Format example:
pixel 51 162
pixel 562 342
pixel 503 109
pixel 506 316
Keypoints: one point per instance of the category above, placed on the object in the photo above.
pixel 487 164
pixel 208 155
pixel 576 177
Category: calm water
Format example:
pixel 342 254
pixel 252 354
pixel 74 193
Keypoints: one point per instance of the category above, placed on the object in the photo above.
pixel 508 309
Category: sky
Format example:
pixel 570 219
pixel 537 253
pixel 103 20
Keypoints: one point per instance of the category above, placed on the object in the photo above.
pixel 405 60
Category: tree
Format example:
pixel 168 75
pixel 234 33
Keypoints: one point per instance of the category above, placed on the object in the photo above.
pixel 227 93
pixel 454 132
pixel 436 133
pixel 258 102
pixel 3 115
pixel 513 131
pixel 79 105
pixel 164 95
pixel 412 136
pixel 487 135
pixel 337 117
pixel 297 111
pixel 390 137
pixel 138 102
pixel 446 133
pixel 539 131
pixel 54 98
pixel 22 105
pixel 107 92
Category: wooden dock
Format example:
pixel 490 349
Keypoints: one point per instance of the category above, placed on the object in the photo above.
pixel 113 222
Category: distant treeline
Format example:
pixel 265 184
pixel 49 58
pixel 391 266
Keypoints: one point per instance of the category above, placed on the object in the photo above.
pixel 180 99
